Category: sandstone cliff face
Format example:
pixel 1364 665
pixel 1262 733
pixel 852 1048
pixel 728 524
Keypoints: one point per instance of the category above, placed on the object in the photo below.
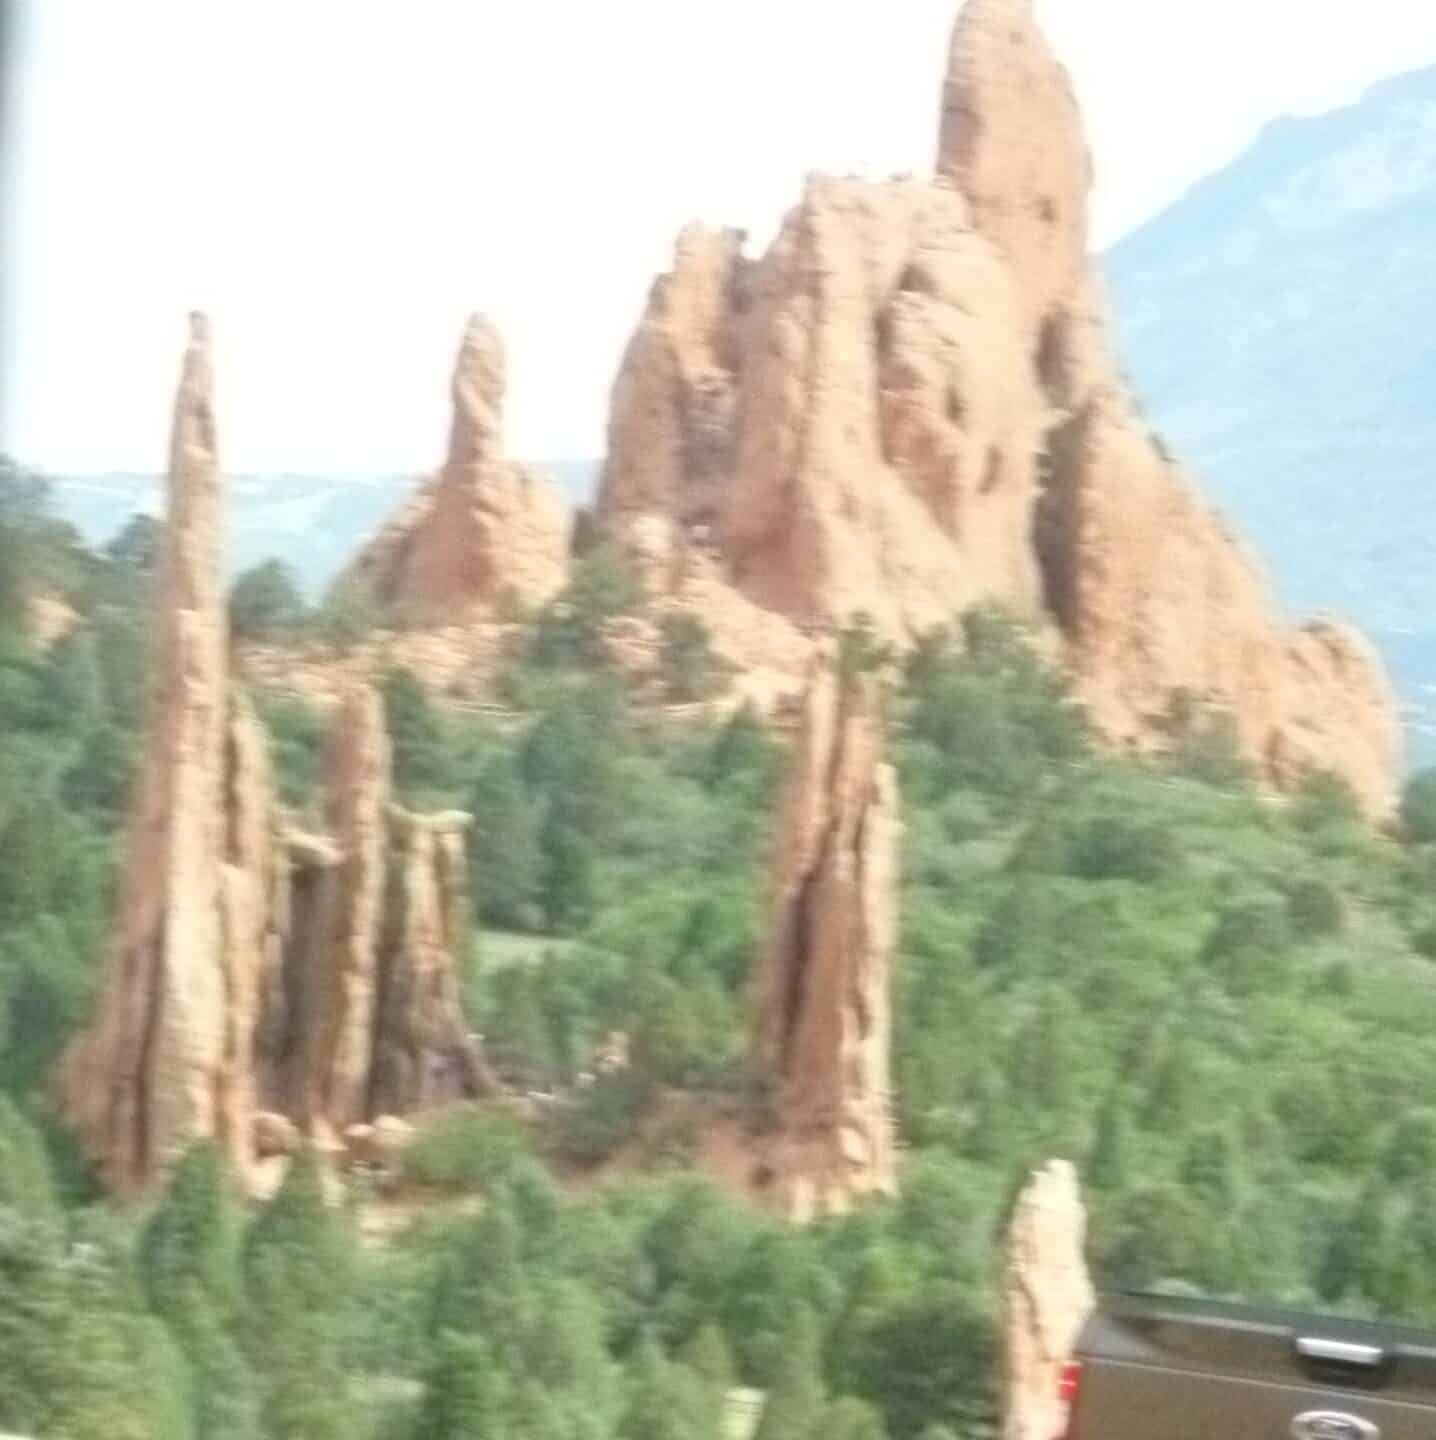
pixel 160 1063
pixel 822 1017
pixel 485 533
pixel 910 404
pixel 1046 1297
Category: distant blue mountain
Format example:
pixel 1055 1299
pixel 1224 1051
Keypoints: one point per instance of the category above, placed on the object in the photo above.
pixel 1279 322
pixel 314 523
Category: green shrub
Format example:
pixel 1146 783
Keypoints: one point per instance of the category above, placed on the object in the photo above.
pixel 265 603
pixel 465 1147
pixel 601 1117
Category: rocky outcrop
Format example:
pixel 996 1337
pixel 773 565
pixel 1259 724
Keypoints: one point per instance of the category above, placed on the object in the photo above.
pixel 671 430
pixel 887 452
pixel 1046 1297
pixel 261 977
pixel 822 1015
pixel 486 534
pixel 424 1050
pixel 1157 601
pixel 910 404
pixel 162 1061
pixel 364 1015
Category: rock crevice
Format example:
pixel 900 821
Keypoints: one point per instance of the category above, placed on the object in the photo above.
pixel 822 1020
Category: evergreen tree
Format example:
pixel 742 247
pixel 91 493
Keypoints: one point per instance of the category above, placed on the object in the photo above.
pixel 666 1401
pixel 192 1239
pixel 27 1189
pixel 850 1419
pixel 297 1272
pixel 189 1265
pixel 708 1356
pixel 506 848
pixel 466 1394
pixel 414 731
pixel 1107 1169
pixel 567 874
pixel 265 602
pixel 796 1402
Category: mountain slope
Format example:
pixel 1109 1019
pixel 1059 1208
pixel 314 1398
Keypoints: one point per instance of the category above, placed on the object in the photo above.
pixel 1280 321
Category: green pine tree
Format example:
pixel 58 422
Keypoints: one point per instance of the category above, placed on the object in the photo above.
pixel 466 1394
pixel 297 1273
pixel 796 1403
pixel 708 1356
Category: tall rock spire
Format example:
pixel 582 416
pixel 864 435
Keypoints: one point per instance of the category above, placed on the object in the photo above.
pixel 145 1079
pixel 486 532
pixel 822 1025
pixel 1046 1297
pixel 1011 141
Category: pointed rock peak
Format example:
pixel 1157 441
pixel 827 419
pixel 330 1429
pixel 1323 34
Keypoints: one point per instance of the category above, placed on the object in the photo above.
pixel 194 442
pixel 1012 142
pixel 480 380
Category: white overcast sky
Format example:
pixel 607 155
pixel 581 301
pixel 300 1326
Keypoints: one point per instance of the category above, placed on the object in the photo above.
pixel 339 182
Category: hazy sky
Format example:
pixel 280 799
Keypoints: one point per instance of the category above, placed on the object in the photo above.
pixel 340 181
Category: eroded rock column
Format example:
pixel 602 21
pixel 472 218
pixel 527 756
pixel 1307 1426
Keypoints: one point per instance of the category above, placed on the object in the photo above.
pixel 1046 1297
pixel 486 532
pixel 158 1066
pixel 424 1052
pixel 823 1019
pixel 358 783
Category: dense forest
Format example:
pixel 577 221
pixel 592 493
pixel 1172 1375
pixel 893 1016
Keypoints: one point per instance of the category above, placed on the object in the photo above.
pixel 1223 1009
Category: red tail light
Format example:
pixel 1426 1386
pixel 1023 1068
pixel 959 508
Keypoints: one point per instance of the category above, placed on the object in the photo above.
pixel 1069 1382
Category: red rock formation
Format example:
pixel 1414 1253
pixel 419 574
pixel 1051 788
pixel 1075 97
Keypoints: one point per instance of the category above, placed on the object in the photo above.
pixel 485 533
pixel 358 786
pixel 822 1017
pixel 1046 1297
pixel 158 1066
pixel 424 1050
pixel 922 411
pixel 671 429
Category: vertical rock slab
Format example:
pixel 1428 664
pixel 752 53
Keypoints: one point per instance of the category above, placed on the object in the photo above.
pixel 485 532
pixel 424 1052
pixel 145 1079
pixel 248 937
pixel 358 785
pixel 822 1028
pixel 1046 1297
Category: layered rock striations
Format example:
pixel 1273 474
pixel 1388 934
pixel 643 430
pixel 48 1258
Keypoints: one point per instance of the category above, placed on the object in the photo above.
pixel 822 1020
pixel 1046 1297
pixel 486 533
pixel 910 404
pixel 162 1061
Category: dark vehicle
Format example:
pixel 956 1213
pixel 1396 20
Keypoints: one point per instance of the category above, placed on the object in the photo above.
pixel 1151 1367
